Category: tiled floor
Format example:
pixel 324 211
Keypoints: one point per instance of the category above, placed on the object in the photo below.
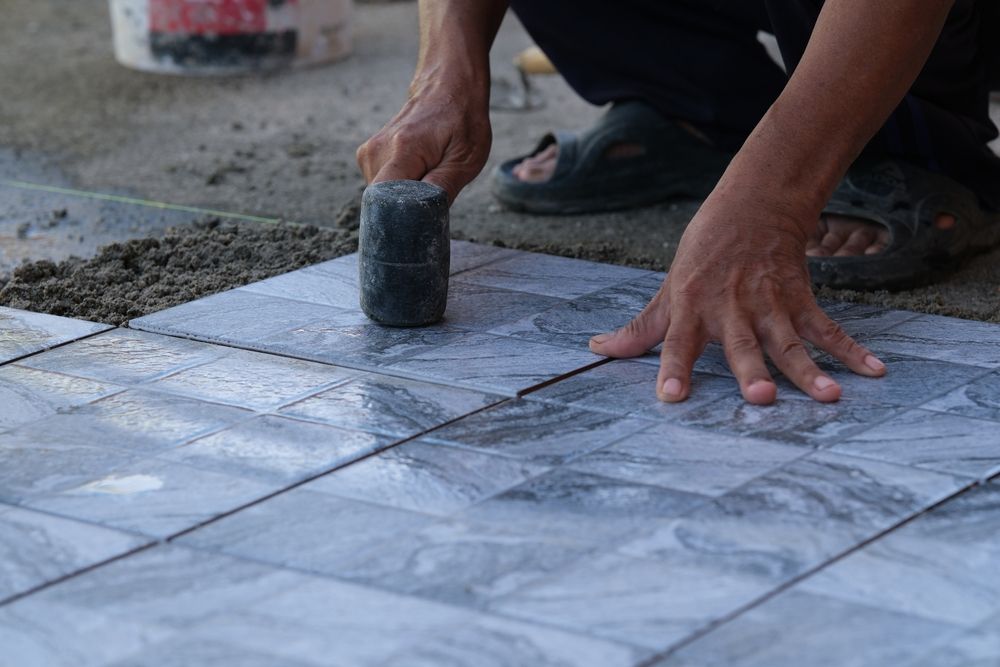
pixel 263 477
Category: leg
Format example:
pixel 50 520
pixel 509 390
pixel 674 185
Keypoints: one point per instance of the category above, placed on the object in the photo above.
pixel 697 61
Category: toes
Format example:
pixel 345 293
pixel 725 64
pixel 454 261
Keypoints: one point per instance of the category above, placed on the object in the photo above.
pixel 858 242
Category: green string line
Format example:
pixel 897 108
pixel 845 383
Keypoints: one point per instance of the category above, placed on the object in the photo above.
pixel 140 202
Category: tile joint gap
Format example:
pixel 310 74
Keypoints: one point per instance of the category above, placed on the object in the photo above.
pixel 655 659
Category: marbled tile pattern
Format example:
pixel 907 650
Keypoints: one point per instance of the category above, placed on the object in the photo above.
pixel 573 323
pixel 379 497
pixel 23 333
pixel 239 317
pixel 27 394
pixel 977 399
pixel 796 628
pixel 495 363
pixel 253 380
pixel 933 440
pixel 546 433
pixel 624 387
pixel 125 356
pixel 686 459
pixel 36 548
pixel 388 405
pixel 551 276
pixel 435 479
pixel 276 449
pixel 944 338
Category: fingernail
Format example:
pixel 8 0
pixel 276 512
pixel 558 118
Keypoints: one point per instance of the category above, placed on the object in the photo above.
pixel 873 363
pixel 672 387
pixel 601 338
pixel 822 383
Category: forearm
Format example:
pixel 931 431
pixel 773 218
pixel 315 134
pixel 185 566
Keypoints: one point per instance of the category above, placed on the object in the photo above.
pixel 455 41
pixel 862 58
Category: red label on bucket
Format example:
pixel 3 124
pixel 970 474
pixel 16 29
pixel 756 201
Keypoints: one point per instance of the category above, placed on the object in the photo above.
pixel 216 17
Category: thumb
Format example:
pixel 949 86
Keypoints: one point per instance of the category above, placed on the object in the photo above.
pixel 640 335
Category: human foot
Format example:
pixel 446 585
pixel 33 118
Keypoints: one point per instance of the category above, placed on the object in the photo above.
pixel 844 236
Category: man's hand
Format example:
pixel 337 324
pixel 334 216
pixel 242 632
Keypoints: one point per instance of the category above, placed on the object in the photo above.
pixel 436 137
pixel 442 135
pixel 740 277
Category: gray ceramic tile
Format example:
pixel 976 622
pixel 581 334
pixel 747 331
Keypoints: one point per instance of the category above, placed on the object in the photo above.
pixel 27 394
pixel 640 602
pixel 34 464
pixel 481 308
pixel 861 320
pixel 34 632
pixel 943 338
pixel 793 519
pixel 573 323
pixel 153 497
pixel 628 388
pixel 942 566
pixel 333 283
pixel 979 647
pixel 308 530
pixel 239 317
pixel 489 641
pixel 435 479
pixel 466 255
pixel 459 562
pixel 125 356
pixel 495 363
pixel 980 399
pixel 687 459
pixel 329 622
pixel 253 380
pixel 933 440
pixel 790 420
pixel 795 629
pixel 909 381
pixel 23 333
pixel 364 345
pixel 391 406
pixel 37 548
pixel 183 652
pixel 169 587
pixel 545 433
pixel 552 276
pixel 277 450
pixel 579 507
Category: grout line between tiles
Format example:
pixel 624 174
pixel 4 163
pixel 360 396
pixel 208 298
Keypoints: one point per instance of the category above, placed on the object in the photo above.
pixel 331 470
pixel 654 660
pixel 58 345
pixel 76 573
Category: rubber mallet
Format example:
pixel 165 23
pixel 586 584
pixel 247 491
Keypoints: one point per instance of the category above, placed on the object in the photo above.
pixel 404 253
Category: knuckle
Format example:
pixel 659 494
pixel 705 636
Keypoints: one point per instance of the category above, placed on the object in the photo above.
pixel 791 347
pixel 744 344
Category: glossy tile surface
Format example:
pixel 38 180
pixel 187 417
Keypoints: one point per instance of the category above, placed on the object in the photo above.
pixel 27 394
pixel 23 333
pixel 951 443
pixel 541 432
pixel 389 405
pixel 495 363
pixel 300 486
pixel 39 548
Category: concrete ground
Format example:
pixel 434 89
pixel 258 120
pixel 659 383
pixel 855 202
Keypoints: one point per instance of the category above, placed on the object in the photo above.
pixel 282 145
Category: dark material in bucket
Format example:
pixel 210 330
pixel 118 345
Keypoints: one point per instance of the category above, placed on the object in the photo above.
pixel 404 253
pixel 260 50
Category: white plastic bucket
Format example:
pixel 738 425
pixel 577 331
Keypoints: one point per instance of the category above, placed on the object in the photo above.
pixel 229 36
